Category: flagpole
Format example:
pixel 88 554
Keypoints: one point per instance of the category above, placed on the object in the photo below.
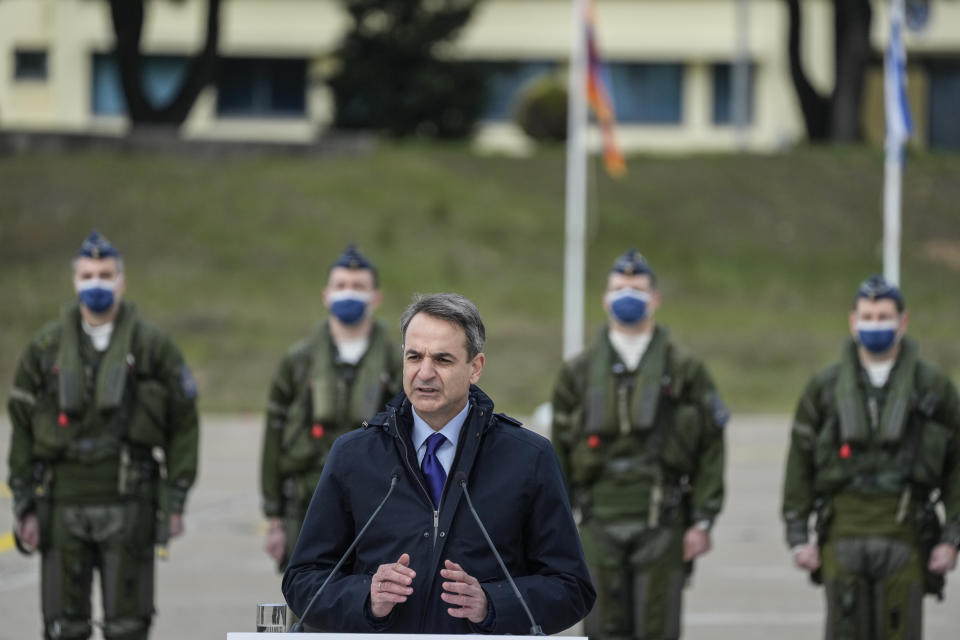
pixel 898 129
pixel 893 176
pixel 574 264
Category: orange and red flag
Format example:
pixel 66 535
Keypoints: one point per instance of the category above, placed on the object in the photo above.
pixel 601 101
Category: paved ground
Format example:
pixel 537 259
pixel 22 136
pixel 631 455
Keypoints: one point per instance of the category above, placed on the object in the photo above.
pixel 746 589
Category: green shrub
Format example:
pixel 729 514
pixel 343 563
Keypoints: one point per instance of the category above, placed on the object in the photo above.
pixel 541 109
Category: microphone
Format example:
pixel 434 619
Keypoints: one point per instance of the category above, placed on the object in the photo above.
pixel 535 630
pixel 394 477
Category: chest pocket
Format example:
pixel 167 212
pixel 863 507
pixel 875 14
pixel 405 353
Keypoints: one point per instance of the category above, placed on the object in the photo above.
pixel 832 470
pixel 586 461
pixel 934 442
pixel 148 415
pixel 303 443
pixel 682 439
pixel 50 438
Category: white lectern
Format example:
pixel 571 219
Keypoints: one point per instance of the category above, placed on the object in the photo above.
pixel 379 636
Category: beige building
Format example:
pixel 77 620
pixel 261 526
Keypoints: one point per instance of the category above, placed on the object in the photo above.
pixel 669 63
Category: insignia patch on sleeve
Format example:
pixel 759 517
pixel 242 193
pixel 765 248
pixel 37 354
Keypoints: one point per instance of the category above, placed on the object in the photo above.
pixel 721 415
pixel 187 382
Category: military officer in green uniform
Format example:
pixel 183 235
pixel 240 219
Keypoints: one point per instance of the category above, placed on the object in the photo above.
pixel 875 446
pixel 103 451
pixel 327 384
pixel 638 427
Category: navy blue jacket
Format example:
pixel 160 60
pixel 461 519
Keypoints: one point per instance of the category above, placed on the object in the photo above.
pixel 514 479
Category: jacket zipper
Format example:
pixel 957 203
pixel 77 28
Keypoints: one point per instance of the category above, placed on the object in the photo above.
pixel 406 461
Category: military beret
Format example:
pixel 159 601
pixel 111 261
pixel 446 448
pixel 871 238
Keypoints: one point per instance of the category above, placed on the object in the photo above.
pixel 351 258
pixel 97 246
pixel 876 287
pixel 632 263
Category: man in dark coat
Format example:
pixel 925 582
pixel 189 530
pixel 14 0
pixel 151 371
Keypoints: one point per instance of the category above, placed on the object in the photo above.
pixel 423 566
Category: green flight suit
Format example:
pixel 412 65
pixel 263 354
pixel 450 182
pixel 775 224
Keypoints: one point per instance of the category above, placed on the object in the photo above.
pixel 643 456
pixel 313 399
pixel 872 463
pixel 87 431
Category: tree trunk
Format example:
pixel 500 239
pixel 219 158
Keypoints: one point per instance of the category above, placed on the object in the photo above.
pixel 852 57
pixel 128 18
pixel 128 27
pixel 815 107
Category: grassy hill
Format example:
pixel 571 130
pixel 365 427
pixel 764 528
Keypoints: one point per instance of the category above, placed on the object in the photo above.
pixel 758 256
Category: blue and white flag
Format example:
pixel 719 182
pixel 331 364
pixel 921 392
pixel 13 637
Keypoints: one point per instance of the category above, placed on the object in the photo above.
pixel 899 122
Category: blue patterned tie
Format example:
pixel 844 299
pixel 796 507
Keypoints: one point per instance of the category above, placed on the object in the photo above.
pixel 432 469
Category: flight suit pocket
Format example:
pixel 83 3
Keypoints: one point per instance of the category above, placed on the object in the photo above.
pixel 297 451
pixel 148 418
pixel 299 444
pixel 931 453
pixel 304 442
pixel 51 434
pixel 44 513
pixel 825 445
pixel 139 524
pixel 610 499
pixel 682 440
pixel 50 437
pixel 652 546
pixel 833 469
pixel 586 461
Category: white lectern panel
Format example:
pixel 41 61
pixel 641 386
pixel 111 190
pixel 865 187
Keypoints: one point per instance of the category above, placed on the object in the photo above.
pixel 380 636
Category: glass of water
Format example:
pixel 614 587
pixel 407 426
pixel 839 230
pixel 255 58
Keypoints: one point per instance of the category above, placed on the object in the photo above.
pixel 271 618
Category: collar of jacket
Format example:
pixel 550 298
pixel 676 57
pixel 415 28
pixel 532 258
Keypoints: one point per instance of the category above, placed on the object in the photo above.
pixel 115 362
pixel 366 392
pixel 480 406
pixel 899 391
pixel 648 383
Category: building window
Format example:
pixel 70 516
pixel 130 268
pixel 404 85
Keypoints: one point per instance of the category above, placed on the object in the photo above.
pixel 505 84
pixel 30 64
pixel 160 76
pixel 944 98
pixel 262 87
pixel 723 94
pixel 647 93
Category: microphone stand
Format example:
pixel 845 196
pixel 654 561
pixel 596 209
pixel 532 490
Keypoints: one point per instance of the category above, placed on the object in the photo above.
pixel 535 629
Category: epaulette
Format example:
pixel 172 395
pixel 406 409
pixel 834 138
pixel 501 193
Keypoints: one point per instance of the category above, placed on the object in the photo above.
pixel 827 375
pixel 301 347
pixel 505 418
pixel 48 336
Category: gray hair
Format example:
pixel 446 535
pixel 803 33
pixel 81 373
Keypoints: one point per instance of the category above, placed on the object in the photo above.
pixel 451 307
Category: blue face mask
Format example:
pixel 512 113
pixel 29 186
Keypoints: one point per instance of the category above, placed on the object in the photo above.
pixel 349 307
pixel 628 306
pixel 878 337
pixel 97 295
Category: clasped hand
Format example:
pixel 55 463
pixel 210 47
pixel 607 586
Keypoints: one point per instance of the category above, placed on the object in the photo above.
pixel 392 585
